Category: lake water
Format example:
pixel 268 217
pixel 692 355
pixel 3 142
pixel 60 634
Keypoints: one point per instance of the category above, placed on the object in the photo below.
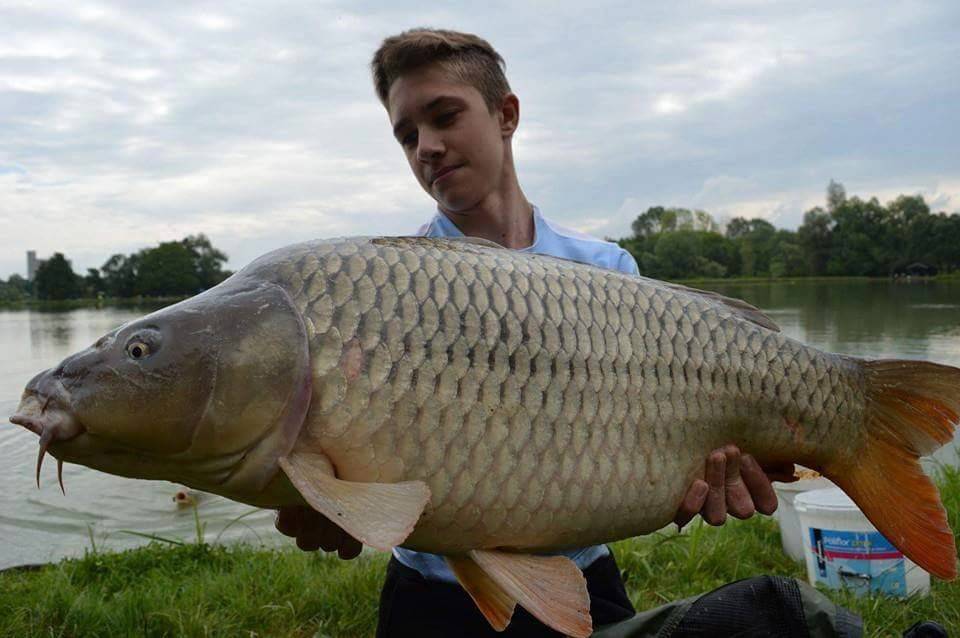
pixel 876 319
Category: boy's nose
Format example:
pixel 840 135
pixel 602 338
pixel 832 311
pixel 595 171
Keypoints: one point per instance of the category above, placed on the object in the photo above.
pixel 429 146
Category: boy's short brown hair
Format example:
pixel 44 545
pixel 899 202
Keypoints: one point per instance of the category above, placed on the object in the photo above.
pixel 464 57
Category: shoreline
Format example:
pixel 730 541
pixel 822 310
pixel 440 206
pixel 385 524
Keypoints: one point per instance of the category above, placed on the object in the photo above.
pixel 87 302
pixel 160 302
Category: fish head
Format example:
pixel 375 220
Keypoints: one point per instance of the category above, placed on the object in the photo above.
pixel 209 393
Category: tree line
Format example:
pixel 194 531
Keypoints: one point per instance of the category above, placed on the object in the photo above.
pixel 171 269
pixel 849 236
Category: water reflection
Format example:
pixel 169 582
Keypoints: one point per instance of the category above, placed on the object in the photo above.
pixel 47 327
pixel 875 319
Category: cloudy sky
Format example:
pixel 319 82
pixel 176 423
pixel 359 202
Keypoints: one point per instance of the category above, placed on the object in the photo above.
pixel 126 124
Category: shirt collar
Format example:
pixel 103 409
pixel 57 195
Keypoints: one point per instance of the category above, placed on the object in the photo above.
pixel 449 229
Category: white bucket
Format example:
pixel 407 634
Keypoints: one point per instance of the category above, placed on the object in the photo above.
pixel 843 550
pixel 786 514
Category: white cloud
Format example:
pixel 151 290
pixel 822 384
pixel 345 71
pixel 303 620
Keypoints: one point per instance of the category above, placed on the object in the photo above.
pixel 212 22
pixel 128 123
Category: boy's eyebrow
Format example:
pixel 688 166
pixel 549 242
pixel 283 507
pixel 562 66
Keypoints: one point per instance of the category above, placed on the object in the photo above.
pixel 432 104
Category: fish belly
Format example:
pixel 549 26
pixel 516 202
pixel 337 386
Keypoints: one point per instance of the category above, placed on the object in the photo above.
pixel 546 403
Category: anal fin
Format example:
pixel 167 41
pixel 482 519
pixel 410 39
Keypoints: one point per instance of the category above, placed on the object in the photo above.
pixel 552 588
pixel 494 603
pixel 380 515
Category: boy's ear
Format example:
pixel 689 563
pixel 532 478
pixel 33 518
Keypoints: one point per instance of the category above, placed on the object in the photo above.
pixel 509 114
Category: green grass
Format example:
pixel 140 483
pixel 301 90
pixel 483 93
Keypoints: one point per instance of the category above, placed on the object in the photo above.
pixel 198 589
pixel 194 590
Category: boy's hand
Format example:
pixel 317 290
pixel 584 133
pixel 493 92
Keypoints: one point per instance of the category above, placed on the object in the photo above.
pixel 313 530
pixel 735 484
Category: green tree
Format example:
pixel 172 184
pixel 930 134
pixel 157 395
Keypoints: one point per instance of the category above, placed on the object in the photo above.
pixel 16 288
pixel 836 195
pixel 914 229
pixel 93 283
pixel 657 219
pixel 755 240
pixel 168 269
pixel 691 253
pixel 849 236
pixel 651 222
pixel 787 259
pixel 120 275
pixel 815 238
pixel 944 251
pixel 677 254
pixel 861 239
pixel 721 251
pixel 55 279
pixel 207 261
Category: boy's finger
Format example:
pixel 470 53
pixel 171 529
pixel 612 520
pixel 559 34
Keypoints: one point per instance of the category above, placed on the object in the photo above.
pixel 350 548
pixel 330 537
pixel 715 508
pixel 761 490
pixel 308 541
pixel 739 503
pixel 692 503
pixel 288 521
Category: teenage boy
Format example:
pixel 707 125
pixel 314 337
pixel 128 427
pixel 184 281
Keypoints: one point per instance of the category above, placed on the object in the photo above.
pixel 454 116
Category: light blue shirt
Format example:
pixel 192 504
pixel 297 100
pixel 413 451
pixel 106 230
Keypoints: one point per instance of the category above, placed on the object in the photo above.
pixel 549 239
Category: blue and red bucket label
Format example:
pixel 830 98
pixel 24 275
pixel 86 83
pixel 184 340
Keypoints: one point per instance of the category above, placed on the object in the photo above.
pixel 864 562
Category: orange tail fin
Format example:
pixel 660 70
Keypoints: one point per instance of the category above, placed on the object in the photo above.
pixel 912 409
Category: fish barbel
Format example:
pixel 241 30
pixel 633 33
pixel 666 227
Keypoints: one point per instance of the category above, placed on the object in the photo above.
pixel 456 397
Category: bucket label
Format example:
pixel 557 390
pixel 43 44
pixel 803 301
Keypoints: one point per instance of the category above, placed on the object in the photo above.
pixel 860 561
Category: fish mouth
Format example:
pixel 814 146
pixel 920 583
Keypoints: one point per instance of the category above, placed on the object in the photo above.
pixel 44 410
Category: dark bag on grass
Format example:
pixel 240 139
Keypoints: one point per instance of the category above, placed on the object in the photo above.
pixel 759 606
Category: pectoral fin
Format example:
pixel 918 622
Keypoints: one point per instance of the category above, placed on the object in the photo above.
pixel 380 515
pixel 552 588
pixel 494 603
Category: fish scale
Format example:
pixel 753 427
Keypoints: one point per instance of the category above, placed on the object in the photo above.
pixel 572 393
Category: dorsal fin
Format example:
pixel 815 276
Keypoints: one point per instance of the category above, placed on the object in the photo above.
pixel 737 306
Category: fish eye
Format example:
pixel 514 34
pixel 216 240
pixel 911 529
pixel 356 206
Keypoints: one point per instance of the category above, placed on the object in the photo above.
pixel 143 343
pixel 137 350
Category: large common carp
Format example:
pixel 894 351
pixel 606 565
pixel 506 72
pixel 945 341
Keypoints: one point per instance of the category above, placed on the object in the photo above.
pixel 460 398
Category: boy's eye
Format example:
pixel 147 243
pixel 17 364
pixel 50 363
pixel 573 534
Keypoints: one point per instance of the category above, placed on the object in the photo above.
pixel 447 118
pixel 409 139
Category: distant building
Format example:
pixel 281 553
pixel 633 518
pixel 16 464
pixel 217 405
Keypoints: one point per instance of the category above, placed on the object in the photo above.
pixel 33 264
pixel 915 270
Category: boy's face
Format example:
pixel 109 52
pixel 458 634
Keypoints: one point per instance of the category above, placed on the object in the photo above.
pixel 454 145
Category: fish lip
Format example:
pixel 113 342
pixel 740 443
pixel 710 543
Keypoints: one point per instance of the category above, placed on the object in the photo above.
pixel 61 425
pixel 52 424
pixel 30 423
pixel 45 410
